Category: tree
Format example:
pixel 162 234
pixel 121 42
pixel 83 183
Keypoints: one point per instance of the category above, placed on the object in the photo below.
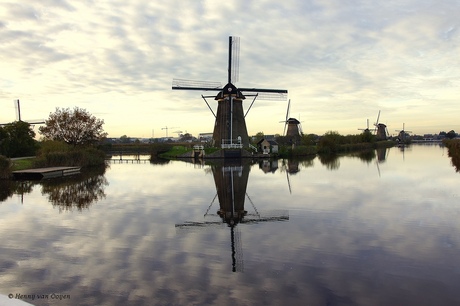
pixel 451 134
pixel 17 139
pixel 258 137
pixel 75 127
pixel 367 136
pixel 186 137
pixel 329 142
pixel 125 139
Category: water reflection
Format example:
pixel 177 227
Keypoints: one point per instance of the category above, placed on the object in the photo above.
pixel 382 154
pixel 78 191
pixel 231 179
pixel 352 238
pixel 6 189
pixel 331 161
pixel 454 154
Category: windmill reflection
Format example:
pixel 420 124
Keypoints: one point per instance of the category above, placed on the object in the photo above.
pixel 382 154
pixel 231 179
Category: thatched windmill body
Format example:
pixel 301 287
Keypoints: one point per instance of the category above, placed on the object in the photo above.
pixel 381 130
pixel 230 126
pixel 292 126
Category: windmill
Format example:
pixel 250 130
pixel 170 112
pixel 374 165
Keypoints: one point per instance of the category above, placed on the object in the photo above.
pixel 230 130
pixel 403 135
pixel 366 129
pixel 294 127
pixel 380 130
pixel 17 106
pixel 231 181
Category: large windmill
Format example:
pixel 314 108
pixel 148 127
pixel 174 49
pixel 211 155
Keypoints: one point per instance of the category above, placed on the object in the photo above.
pixel 294 127
pixel 230 130
pixel 381 130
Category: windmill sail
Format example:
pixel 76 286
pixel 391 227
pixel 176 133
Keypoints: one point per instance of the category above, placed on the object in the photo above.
pixel 183 84
pixel 234 59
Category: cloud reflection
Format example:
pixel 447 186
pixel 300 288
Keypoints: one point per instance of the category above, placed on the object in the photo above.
pixel 348 241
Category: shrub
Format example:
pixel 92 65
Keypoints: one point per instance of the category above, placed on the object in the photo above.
pixel 304 150
pixel 5 167
pixel 86 157
pixel 48 146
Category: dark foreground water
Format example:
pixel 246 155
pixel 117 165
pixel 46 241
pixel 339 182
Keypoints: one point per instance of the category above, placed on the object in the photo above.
pixel 375 229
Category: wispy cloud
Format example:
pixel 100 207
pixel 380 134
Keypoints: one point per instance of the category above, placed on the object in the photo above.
pixel 339 60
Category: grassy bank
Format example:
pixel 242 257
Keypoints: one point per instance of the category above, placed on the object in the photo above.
pixel 453 150
pixel 21 164
pixel 53 154
pixel 178 151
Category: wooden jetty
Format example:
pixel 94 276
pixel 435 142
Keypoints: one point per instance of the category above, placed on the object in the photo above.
pixel 45 173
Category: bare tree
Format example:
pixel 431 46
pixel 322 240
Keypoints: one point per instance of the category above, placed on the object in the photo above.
pixel 75 127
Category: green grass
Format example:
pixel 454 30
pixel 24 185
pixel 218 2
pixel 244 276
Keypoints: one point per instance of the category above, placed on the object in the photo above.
pixel 21 164
pixel 175 151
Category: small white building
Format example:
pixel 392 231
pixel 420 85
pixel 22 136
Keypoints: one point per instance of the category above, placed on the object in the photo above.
pixel 267 146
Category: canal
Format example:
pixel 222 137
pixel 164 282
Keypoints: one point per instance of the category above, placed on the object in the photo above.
pixel 367 229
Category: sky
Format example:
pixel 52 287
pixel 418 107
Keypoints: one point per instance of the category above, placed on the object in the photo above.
pixel 342 61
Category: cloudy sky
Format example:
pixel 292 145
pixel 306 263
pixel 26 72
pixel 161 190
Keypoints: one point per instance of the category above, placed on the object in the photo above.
pixel 341 61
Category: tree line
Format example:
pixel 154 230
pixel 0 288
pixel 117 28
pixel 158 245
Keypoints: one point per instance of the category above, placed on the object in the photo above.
pixel 68 139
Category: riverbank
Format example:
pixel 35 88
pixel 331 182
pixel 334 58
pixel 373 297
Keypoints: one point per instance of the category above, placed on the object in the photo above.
pixel 453 150
pixel 69 157
pixel 187 151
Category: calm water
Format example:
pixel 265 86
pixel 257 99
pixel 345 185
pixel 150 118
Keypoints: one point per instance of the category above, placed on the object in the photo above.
pixel 378 229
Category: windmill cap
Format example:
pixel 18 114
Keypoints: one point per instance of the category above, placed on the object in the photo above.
pixel 230 89
pixel 293 120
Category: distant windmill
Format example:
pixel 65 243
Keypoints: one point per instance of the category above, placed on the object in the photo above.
pixel 294 127
pixel 230 127
pixel 381 130
pixel 403 134
pixel 17 106
pixel 366 129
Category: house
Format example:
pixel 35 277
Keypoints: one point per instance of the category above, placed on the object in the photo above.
pixel 205 137
pixel 267 146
